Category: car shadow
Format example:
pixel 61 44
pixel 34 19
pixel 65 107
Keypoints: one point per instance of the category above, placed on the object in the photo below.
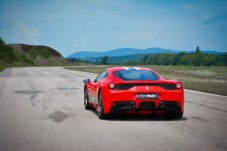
pixel 142 118
pixel 138 117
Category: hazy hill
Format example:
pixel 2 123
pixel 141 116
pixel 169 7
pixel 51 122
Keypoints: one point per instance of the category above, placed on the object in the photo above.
pixel 114 59
pixel 37 48
pixel 23 54
pixel 128 51
pixel 119 52
pixel 37 54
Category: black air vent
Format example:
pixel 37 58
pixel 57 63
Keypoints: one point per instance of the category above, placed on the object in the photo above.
pixel 128 86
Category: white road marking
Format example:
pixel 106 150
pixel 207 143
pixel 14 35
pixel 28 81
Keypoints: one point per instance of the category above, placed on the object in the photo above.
pixel 206 93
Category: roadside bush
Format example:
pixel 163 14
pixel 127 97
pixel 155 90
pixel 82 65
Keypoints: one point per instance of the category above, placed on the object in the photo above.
pixel 198 58
pixel 44 54
pixel 23 58
pixel 32 53
pixel 6 52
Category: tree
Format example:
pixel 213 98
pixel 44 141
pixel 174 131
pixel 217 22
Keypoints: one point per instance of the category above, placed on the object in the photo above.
pixel 105 60
pixel 44 54
pixel 169 59
pixel 197 50
pixel 6 52
pixel 149 59
pixel 165 59
pixel 32 53
pixel 160 60
pixel 145 59
pixel 177 58
pixel 185 59
pixel 198 57
pixel 225 59
pixel 24 58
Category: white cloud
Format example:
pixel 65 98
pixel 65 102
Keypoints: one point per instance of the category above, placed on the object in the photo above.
pixel 210 18
pixel 21 32
pixel 139 40
pixel 135 37
pixel 205 17
pixel 51 16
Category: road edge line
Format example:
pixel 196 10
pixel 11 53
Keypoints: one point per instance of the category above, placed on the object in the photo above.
pixel 206 93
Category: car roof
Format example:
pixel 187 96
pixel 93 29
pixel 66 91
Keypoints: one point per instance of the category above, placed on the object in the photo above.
pixel 112 69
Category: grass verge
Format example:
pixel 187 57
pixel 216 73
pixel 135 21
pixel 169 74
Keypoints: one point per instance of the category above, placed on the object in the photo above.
pixel 204 79
pixel 41 64
pixel 2 68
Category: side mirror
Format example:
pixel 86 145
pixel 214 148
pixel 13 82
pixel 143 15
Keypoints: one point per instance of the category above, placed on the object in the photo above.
pixel 86 81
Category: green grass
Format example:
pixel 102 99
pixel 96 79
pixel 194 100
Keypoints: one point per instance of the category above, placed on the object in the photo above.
pixel 204 79
pixel 2 68
pixel 89 68
pixel 22 64
pixel 47 63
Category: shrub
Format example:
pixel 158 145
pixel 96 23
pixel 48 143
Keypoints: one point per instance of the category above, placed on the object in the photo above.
pixel 44 54
pixel 32 53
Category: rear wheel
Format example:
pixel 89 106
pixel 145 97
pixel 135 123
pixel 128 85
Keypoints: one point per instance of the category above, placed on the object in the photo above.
pixel 177 116
pixel 86 100
pixel 174 115
pixel 100 112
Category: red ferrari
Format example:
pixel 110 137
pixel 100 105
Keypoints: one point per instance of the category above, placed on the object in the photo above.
pixel 134 90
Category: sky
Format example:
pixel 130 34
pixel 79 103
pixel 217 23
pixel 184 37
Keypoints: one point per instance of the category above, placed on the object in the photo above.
pixel 101 25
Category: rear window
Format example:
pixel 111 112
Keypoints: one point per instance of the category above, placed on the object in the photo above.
pixel 135 75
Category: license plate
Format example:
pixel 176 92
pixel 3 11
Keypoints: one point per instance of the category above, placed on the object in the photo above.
pixel 147 96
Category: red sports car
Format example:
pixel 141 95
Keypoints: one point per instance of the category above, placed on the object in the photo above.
pixel 133 90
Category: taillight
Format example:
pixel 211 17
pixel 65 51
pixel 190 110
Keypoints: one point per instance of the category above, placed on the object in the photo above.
pixel 178 85
pixel 112 85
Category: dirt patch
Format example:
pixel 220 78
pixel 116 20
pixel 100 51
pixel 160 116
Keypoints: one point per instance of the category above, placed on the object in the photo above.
pixel 199 118
pixel 28 91
pixel 58 116
pixel 68 89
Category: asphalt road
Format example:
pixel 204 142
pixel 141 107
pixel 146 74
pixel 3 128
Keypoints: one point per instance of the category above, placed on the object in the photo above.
pixel 41 109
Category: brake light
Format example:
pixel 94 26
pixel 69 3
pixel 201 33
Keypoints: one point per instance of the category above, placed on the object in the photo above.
pixel 112 85
pixel 178 85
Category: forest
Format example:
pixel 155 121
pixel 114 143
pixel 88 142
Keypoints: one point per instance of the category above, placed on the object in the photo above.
pixel 197 58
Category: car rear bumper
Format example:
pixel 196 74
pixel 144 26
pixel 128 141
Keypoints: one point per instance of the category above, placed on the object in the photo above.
pixel 118 101
pixel 123 106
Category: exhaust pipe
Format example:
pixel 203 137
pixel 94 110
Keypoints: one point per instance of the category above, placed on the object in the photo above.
pixel 133 104
pixel 161 104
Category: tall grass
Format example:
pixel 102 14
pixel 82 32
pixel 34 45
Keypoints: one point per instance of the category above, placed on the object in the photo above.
pixel 2 68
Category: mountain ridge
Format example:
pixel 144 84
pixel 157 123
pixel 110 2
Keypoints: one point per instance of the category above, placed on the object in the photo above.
pixel 129 51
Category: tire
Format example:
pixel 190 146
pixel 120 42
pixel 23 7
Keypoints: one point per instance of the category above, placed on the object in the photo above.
pixel 177 116
pixel 100 112
pixel 174 115
pixel 86 101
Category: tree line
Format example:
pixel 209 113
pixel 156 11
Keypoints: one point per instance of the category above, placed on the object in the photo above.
pixel 6 53
pixel 197 58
